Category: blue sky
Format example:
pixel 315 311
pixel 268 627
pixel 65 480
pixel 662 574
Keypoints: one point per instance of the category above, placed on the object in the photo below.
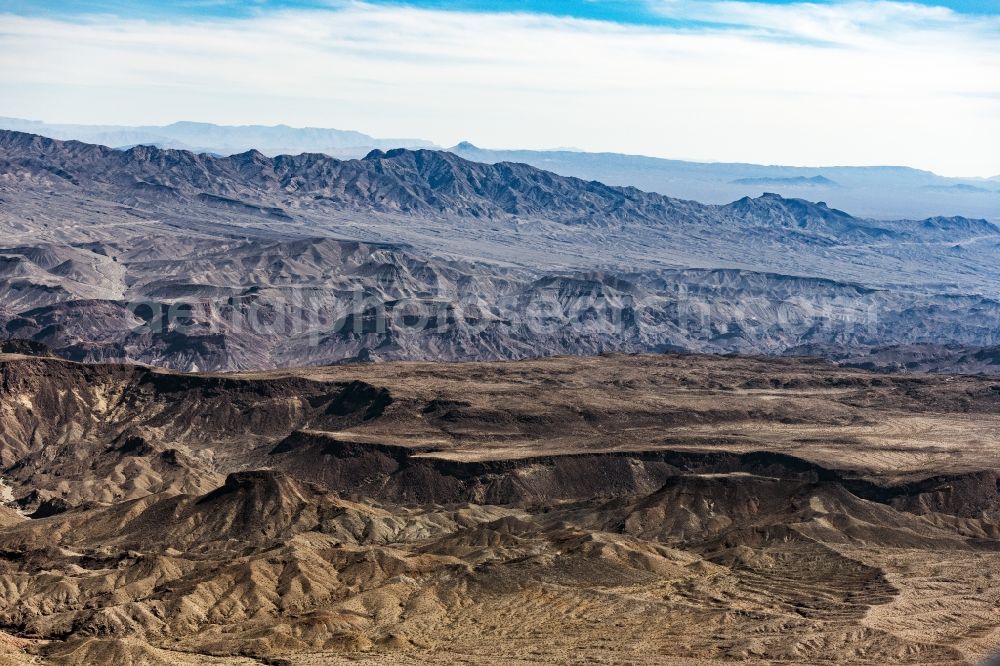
pixel 622 11
pixel 845 82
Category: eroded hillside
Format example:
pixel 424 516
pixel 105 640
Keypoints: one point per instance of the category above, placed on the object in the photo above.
pixel 204 263
pixel 644 509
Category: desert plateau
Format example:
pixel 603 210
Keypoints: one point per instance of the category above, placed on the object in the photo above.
pixel 636 509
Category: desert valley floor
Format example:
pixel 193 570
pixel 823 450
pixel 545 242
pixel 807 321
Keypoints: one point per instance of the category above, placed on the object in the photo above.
pixel 633 509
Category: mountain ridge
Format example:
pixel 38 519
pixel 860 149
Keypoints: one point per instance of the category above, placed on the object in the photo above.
pixel 510 187
pixel 882 192
pixel 421 254
pixel 872 191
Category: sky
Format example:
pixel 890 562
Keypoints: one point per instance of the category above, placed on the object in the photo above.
pixel 836 82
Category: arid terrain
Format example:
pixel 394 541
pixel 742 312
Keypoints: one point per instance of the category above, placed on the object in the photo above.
pixel 205 263
pixel 603 332
pixel 633 509
pixel 187 503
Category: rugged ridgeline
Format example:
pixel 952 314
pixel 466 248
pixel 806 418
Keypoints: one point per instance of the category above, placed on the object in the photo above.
pixel 199 262
pixel 878 192
pixel 643 508
pixel 882 192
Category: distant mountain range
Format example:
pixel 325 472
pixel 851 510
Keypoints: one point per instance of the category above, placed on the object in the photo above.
pixel 876 192
pixel 194 261
pixel 219 139
pixel 819 181
pixel 881 192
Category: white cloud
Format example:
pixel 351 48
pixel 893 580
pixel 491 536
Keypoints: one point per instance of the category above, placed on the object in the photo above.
pixel 854 83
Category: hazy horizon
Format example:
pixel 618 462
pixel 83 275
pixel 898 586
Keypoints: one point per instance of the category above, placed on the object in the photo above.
pixel 435 145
